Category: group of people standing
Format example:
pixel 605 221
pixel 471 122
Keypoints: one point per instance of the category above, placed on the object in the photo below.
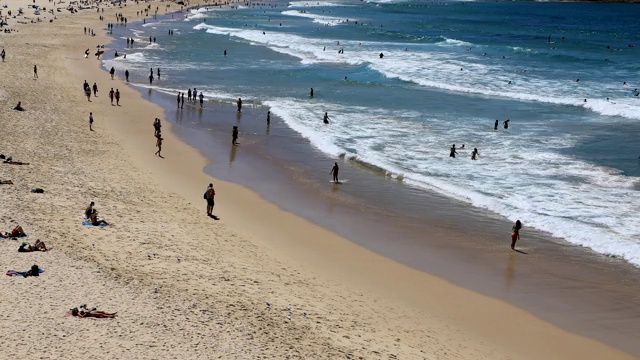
pixel 157 126
pixel 192 96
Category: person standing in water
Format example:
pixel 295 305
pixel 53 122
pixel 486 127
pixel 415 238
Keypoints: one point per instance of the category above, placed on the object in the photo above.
pixel 234 136
pixel 268 117
pixel 334 171
pixel 178 100
pixel 239 103
pixel 474 154
pixel 326 118
pixel 515 234
pixel 126 75
pixel 506 124
pixel 311 93
pixel 495 126
pixel 452 151
pixel 201 97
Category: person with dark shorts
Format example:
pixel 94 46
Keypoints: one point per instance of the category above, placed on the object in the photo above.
pixel 234 136
pixel 209 195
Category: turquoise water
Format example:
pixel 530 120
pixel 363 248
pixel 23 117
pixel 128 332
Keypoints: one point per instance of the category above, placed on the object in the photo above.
pixel 449 70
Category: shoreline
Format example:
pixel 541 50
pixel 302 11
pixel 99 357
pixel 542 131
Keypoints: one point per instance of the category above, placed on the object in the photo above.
pixel 469 249
pixel 225 270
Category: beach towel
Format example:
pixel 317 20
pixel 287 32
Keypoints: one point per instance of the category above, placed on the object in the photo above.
pixel 20 273
pixel 88 223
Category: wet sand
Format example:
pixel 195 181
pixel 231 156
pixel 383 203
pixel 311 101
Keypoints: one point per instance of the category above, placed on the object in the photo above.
pixel 571 286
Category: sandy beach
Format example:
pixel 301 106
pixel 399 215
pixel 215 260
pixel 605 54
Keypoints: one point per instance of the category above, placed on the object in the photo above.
pixel 260 283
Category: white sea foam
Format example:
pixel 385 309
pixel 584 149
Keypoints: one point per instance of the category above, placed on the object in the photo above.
pixel 320 19
pixel 531 186
pixel 298 4
pixel 441 70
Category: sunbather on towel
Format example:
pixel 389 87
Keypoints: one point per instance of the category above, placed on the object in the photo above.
pixel 93 313
pixel 95 221
pixel 38 246
pixel 6 182
pixel 16 232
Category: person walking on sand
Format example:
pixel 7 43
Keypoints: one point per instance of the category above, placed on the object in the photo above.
pixel 452 151
pixel 35 71
pixel 474 154
pixel 234 136
pixel 3 54
pixel 117 97
pixel 111 96
pixel 156 127
pixel 91 121
pixel 159 144
pixel 95 90
pixel 209 195
pixel 334 171
pixel 112 72
pixel 126 75
pixel 515 233
pixel 239 103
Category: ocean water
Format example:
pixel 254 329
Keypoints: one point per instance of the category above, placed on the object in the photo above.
pixel 449 70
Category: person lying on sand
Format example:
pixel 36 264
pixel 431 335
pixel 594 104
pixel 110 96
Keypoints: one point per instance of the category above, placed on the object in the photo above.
pixel 16 232
pixel 38 246
pixel 93 313
pixel 6 182
pixel 9 160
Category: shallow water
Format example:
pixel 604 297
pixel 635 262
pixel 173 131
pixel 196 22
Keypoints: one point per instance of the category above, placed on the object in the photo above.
pixel 564 166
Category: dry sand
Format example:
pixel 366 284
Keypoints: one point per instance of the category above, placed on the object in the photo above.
pixel 213 278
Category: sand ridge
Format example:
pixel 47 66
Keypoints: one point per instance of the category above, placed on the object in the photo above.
pixel 222 290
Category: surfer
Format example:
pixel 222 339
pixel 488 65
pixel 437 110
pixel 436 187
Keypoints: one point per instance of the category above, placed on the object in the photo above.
pixel 495 125
pixel 474 154
pixel 326 118
pixel 452 151
pixel 515 234
pixel 334 170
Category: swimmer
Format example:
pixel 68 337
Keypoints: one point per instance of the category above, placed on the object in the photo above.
pixel 474 154
pixel 452 151
pixel 326 118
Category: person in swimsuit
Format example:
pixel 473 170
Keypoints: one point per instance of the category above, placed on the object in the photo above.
pixel 159 144
pixel 209 195
pixel 89 210
pixel 452 151
pixel 92 313
pixel 38 246
pixel 234 136
pixel 495 125
pixel 16 232
pixel 239 103
pixel 325 119
pixel 334 171
pixel 474 154
pixel 515 233
pixel 94 219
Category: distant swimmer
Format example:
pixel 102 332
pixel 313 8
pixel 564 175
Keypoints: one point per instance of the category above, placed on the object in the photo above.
pixel 452 151
pixel 515 233
pixel 474 154
pixel 381 55
pixel 326 118
pixel 624 83
pixel 239 103
pixel 577 80
pixel 495 125
pixel 334 171
pixel 311 93
pixel 509 82
pixel 462 147
pixel 506 123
